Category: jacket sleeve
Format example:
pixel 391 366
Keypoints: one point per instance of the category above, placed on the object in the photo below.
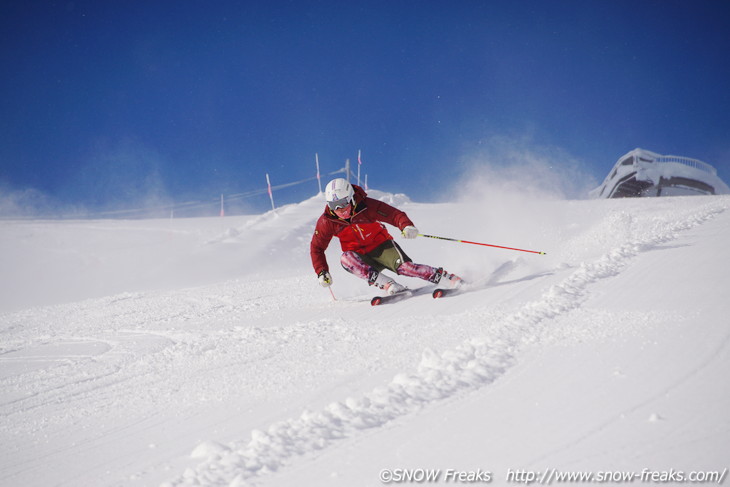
pixel 385 213
pixel 323 234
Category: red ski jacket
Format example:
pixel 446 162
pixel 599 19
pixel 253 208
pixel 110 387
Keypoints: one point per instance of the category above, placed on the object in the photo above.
pixel 362 233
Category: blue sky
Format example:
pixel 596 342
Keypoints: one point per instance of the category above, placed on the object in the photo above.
pixel 106 103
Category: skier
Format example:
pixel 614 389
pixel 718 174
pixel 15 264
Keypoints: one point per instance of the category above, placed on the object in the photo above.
pixel 368 249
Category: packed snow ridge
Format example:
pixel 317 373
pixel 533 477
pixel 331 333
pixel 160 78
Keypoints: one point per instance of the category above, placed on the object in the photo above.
pixel 470 365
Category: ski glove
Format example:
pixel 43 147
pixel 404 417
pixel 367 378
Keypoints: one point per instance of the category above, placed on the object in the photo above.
pixel 325 280
pixel 410 232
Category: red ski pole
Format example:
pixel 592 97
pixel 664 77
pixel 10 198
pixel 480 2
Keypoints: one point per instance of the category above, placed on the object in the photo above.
pixel 478 243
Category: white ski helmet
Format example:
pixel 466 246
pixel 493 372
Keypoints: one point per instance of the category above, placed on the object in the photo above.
pixel 339 194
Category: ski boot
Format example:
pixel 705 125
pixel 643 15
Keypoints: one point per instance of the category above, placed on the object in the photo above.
pixel 385 283
pixel 446 280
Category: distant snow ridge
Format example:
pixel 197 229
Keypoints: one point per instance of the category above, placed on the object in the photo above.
pixel 472 365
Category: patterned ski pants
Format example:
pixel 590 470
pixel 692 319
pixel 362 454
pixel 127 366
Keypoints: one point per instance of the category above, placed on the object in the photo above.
pixel 368 266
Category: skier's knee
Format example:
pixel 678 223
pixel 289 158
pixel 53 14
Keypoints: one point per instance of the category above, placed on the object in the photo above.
pixel 353 263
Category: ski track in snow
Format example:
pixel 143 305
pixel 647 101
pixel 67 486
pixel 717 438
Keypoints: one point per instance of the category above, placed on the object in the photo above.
pixel 473 364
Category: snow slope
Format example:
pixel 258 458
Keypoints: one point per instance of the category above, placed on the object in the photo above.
pixel 202 351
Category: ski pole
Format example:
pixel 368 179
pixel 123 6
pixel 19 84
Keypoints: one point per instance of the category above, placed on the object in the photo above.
pixel 479 243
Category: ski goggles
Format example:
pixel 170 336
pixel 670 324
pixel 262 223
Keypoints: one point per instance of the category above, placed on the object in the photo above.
pixel 339 204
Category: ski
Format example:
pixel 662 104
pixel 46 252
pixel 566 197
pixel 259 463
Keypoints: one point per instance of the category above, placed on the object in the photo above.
pixel 408 293
pixel 441 292
pixel 391 298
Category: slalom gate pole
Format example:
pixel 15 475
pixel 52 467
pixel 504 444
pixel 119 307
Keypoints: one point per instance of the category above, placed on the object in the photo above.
pixel 478 243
